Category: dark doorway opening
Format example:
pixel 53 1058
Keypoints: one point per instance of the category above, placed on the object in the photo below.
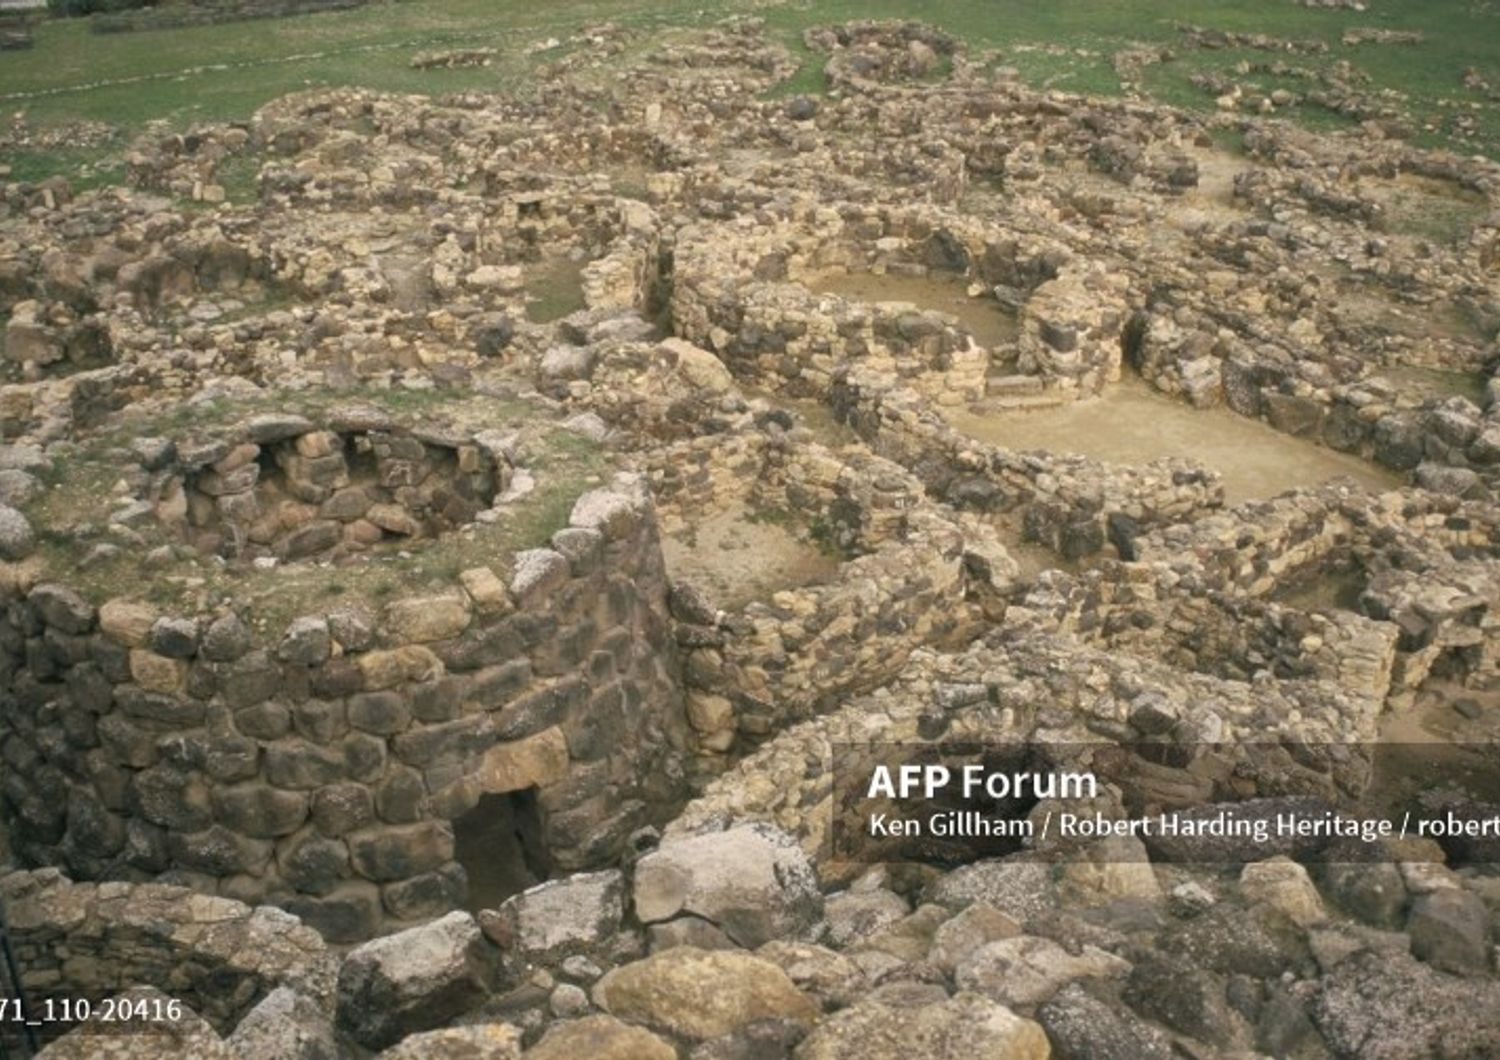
pixel 499 844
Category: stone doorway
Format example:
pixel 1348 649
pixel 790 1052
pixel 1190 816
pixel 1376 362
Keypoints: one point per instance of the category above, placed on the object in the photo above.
pixel 499 844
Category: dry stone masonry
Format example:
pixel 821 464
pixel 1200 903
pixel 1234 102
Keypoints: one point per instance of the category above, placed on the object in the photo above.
pixel 450 545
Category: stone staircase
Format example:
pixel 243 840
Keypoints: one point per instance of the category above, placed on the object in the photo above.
pixel 1006 392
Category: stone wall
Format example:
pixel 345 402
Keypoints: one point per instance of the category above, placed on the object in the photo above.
pixel 88 941
pixel 320 771
pixel 1013 687
pixel 1070 504
pixel 1200 595
pixel 286 488
pixel 909 578
pixel 738 290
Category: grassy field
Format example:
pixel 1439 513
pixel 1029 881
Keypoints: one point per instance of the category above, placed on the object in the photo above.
pixel 180 76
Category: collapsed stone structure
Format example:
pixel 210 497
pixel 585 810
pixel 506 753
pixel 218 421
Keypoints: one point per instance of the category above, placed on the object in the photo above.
pixel 438 586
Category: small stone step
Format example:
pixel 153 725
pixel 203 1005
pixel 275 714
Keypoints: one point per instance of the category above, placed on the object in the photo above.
pixel 1013 384
pixel 1018 402
pixel 1028 401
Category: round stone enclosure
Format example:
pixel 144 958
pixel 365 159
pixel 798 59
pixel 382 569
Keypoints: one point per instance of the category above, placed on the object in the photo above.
pixel 290 489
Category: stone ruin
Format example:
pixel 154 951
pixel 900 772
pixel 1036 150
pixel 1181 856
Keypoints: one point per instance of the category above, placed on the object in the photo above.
pixel 323 767
pixel 291 491
pixel 438 587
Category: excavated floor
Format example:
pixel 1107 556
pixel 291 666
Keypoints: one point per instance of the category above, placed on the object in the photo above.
pixel 554 288
pixel 738 555
pixel 1132 424
pixel 981 316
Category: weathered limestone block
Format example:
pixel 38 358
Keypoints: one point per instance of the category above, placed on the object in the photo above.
pixel 965 1025
pixel 575 914
pixel 394 519
pixel 424 619
pixel 62 608
pixel 486 590
pixel 286 1025
pixel 157 673
pixel 1284 884
pixel 699 367
pixel 307 641
pixel 753 881
pixel 259 811
pixel 600 1038
pixel 388 668
pixel 1450 930
pixel 17 539
pixel 699 994
pixel 538 573
pixel 485 1041
pixel 127 621
pixel 413 981
pixel 1027 970
pixel 535 761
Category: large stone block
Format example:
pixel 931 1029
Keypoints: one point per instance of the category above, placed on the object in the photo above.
pixel 286 1025
pixel 752 881
pixel 62 608
pixel 600 1038
pixel 535 761
pixel 963 1026
pixel 575 914
pixel 399 852
pixel 414 981
pixel 422 619
pixel 259 811
pixel 699 994
pixel 407 664
pixel 127 621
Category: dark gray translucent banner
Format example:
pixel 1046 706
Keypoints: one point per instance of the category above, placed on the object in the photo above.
pixel 951 803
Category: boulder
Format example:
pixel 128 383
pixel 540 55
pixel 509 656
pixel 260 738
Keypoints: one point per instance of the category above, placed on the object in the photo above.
pixel 1082 1027
pixel 559 918
pixel 854 916
pixel 1027 970
pixel 600 1038
pixel 1450 930
pixel 1021 889
pixel 483 1041
pixel 564 363
pixel 414 980
pixel 961 935
pixel 1181 996
pixel 830 977
pixel 961 1028
pixel 419 620
pixel 1283 884
pixel 286 1025
pixel 701 369
pixel 62 608
pixel 700 994
pixel 1388 1006
pixel 538 573
pixel 17 539
pixel 753 881
pixel 1261 941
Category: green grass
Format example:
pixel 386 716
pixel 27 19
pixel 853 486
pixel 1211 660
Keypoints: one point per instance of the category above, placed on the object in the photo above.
pixel 216 73
pixel 554 288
